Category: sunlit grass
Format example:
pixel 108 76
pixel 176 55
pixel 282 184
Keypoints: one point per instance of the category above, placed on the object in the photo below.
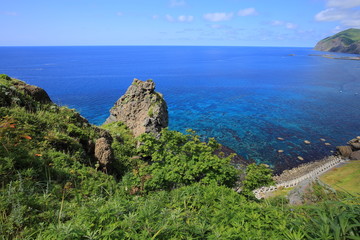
pixel 280 192
pixel 344 178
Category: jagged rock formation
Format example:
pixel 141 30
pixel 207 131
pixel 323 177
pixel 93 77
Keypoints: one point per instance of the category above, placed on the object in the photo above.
pixel 347 41
pixel 103 152
pixel 141 108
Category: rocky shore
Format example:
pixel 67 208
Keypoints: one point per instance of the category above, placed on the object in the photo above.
pixel 350 151
pixel 301 170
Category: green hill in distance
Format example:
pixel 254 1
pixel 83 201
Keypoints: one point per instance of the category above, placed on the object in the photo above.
pixel 347 41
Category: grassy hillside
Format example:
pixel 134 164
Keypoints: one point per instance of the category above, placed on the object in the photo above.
pixel 344 178
pixel 347 41
pixel 350 36
pixel 172 187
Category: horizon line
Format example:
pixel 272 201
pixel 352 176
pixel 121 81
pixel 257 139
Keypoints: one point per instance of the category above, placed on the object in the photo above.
pixel 151 46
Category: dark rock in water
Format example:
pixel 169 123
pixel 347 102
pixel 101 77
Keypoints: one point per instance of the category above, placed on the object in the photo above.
pixel 355 155
pixel 355 144
pixel 141 108
pixel 344 151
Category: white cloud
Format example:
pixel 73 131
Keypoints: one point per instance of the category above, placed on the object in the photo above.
pixel 277 23
pixel 347 17
pixel 217 26
pixel 330 14
pixel 177 3
pixel 343 3
pixel 352 22
pixel 155 17
pixel 288 25
pixel 184 18
pixel 337 29
pixel 346 12
pixel 169 18
pixel 247 12
pixel 218 17
pixel 181 18
pixel 120 14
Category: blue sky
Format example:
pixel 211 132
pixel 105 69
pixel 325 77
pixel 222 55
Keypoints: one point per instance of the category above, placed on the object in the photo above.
pixel 298 23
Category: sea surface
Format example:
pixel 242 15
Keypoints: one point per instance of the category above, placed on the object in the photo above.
pixel 245 97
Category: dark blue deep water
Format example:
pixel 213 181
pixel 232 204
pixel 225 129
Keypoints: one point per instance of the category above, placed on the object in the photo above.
pixel 245 97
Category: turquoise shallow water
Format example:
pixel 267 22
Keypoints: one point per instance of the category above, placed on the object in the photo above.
pixel 245 97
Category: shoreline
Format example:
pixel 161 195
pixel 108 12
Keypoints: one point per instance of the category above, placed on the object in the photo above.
pixel 302 169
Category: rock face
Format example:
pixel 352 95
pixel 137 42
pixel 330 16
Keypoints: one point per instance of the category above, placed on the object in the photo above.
pixel 355 144
pixel 355 155
pixel 37 93
pixel 347 41
pixel 141 108
pixel 16 92
pixel 344 151
pixel 103 151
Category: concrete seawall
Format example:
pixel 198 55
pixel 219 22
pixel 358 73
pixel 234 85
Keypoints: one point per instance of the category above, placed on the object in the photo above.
pixel 330 162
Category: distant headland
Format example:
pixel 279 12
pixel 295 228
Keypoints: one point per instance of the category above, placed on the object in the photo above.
pixel 347 41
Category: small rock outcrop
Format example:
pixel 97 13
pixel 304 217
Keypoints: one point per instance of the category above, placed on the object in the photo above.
pixel 344 151
pixel 103 151
pixel 36 93
pixel 355 155
pixel 141 108
pixel 16 92
pixel 355 143
pixel 351 151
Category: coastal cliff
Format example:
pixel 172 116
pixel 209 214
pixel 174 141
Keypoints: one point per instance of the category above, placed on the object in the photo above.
pixel 63 178
pixel 141 109
pixel 347 41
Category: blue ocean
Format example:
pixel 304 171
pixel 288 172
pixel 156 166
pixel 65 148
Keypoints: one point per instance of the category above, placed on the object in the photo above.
pixel 245 97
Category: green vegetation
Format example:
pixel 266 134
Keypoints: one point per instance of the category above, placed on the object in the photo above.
pixel 344 178
pixel 151 112
pixel 347 41
pixel 256 176
pixel 170 187
pixel 348 36
pixel 178 160
pixel 282 192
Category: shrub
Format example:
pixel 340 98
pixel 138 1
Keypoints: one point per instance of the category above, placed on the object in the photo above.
pixel 177 160
pixel 256 176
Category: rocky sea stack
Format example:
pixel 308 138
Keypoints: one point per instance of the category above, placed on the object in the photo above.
pixel 141 108
pixel 351 151
pixel 347 41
